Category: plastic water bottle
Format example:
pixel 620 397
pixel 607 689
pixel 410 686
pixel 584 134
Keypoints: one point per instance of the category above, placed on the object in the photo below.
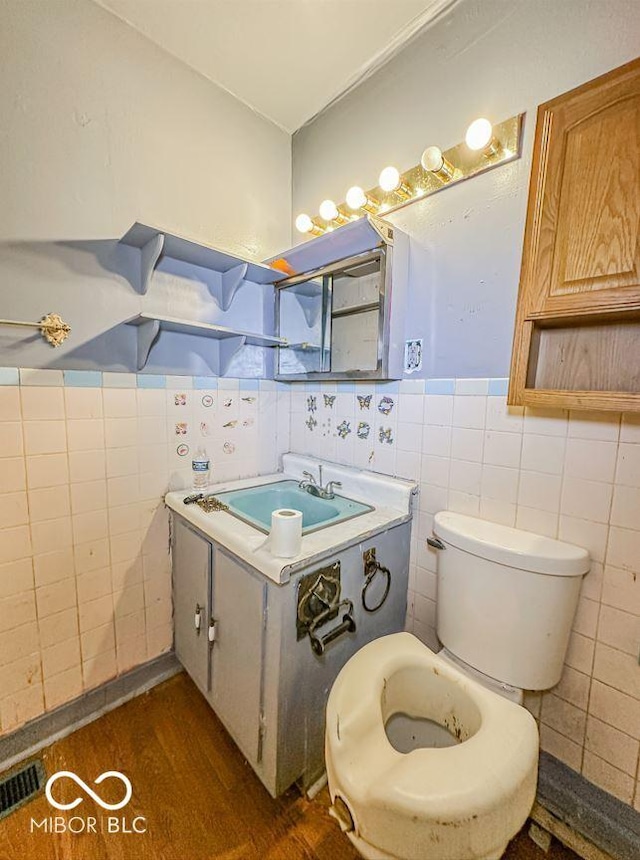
pixel 200 469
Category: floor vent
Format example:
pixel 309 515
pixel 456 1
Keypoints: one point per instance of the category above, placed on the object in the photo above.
pixel 21 786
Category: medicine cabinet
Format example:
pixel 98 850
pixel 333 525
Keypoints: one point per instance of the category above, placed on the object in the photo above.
pixel 338 319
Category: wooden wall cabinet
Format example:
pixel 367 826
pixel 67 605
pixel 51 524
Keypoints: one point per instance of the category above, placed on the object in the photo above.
pixel 577 333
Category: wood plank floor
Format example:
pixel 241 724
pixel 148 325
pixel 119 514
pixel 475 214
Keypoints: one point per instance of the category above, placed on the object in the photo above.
pixel 200 799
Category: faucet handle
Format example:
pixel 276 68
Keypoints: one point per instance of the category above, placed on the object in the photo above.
pixel 309 477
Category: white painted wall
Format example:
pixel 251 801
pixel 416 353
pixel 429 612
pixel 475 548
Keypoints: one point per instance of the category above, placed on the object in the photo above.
pixel 490 58
pixel 100 128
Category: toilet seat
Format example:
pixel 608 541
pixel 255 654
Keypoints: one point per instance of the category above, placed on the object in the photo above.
pixel 454 803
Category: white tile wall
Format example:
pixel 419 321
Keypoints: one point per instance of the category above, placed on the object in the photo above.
pixel 84 573
pixel 575 476
pixel 85 587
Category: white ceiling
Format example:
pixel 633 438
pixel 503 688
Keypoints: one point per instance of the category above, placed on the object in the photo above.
pixel 286 59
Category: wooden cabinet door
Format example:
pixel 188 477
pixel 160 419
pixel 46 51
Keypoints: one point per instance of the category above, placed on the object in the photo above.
pixel 191 588
pixel 584 234
pixel 581 258
pixel 239 613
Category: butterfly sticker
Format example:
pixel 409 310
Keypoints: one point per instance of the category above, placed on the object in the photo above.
pixel 329 400
pixel 364 400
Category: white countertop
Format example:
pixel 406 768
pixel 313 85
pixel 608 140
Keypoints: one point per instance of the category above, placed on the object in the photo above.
pixel 391 498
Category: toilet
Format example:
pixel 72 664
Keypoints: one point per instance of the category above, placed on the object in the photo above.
pixel 432 756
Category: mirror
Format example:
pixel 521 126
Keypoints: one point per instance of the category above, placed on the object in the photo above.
pixel 334 321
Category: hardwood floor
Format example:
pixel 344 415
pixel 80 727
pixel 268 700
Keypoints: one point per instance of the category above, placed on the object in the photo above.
pixel 201 801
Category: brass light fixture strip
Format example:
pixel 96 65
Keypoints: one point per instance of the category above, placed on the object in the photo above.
pixel 466 163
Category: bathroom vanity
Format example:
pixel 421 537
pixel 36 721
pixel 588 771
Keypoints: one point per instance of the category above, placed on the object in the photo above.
pixel 264 638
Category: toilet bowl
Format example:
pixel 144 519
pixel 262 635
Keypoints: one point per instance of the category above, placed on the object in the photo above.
pixel 456 802
pixel 432 756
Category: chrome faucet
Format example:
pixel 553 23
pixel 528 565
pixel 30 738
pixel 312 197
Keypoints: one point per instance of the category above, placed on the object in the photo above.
pixel 309 484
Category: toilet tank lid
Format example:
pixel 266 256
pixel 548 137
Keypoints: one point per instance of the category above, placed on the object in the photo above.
pixel 512 547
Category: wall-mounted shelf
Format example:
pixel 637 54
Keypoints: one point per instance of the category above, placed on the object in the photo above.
pixel 231 340
pixel 154 244
pixel 304 347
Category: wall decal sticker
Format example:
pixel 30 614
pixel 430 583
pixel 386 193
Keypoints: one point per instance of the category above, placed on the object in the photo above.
pixel 386 405
pixel 385 435
pixel 343 429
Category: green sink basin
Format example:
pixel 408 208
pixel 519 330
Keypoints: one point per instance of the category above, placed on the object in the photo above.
pixel 255 505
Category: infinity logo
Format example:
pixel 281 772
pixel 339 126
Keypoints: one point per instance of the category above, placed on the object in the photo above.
pixel 106 775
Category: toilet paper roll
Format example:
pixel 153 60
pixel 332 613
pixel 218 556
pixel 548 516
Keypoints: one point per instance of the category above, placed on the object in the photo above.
pixel 286 533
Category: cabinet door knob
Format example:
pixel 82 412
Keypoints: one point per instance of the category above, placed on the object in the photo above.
pixel 198 617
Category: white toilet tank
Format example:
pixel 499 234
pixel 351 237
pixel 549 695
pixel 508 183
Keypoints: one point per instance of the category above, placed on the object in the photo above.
pixel 506 599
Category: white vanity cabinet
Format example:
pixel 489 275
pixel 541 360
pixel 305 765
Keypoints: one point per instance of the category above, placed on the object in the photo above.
pixel 191 602
pixel 239 612
pixel 249 657
pixel 219 612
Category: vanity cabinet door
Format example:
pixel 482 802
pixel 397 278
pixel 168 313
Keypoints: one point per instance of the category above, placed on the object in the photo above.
pixel 577 336
pixel 239 613
pixel 191 589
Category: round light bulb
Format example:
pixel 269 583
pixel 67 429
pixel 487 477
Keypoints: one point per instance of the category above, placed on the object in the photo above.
pixel 432 159
pixel 304 224
pixel 479 134
pixel 389 179
pixel 328 210
pixel 356 198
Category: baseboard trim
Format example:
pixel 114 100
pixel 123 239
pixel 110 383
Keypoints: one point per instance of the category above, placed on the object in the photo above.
pixel 50 727
pixel 604 821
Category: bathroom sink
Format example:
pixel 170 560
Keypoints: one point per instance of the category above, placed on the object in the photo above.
pixel 255 505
